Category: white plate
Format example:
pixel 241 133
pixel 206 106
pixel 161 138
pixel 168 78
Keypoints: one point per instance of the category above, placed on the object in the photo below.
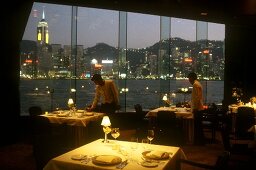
pixel 78 157
pixel 80 111
pixel 62 115
pixel 149 164
pixel 89 113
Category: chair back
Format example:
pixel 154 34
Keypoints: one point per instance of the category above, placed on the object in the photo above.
pixel 169 129
pixel 166 119
pixel 245 119
pixel 222 161
pixel 41 125
pixel 35 111
pixel 138 108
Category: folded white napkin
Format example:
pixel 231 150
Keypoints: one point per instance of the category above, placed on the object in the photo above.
pixel 156 154
pixel 106 158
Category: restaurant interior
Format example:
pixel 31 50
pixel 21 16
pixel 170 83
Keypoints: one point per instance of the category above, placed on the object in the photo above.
pixel 239 18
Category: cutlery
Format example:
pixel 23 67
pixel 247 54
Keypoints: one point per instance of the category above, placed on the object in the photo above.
pixel 85 159
pixel 122 164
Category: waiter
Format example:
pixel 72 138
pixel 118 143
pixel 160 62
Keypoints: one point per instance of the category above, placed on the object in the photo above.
pixel 107 93
pixel 197 108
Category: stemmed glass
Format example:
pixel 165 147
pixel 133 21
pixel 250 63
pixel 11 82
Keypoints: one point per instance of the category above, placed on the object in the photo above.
pixel 134 143
pixel 150 135
pixel 115 133
pixel 134 146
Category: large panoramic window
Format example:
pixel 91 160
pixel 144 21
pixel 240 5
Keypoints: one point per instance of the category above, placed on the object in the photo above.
pixel 148 56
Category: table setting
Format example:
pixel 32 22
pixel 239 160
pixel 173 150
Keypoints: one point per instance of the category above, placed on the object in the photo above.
pixel 116 154
pixel 179 111
pixel 100 155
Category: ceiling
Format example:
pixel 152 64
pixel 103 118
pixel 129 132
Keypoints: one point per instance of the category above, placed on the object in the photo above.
pixel 221 11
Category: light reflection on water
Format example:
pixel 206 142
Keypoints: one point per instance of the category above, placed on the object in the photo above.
pixel 145 92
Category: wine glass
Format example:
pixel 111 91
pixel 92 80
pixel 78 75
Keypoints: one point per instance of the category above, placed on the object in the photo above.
pixel 150 135
pixel 134 146
pixel 57 107
pixel 145 142
pixel 134 143
pixel 115 133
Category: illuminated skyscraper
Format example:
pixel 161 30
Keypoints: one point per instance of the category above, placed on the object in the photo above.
pixel 45 63
pixel 42 31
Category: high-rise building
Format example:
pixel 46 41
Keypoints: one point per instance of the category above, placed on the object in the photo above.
pixel 43 49
pixel 42 31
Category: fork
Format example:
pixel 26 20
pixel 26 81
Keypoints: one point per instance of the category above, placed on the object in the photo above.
pixel 86 159
pixel 122 164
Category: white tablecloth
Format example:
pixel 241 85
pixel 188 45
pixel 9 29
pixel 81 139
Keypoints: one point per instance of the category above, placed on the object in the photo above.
pixel 179 111
pixel 233 108
pixel 184 113
pixel 77 129
pixel 97 147
pixel 73 120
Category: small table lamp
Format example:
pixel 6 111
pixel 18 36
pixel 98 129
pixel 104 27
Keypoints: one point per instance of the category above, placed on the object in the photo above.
pixel 166 100
pixel 106 127
pixel 70 103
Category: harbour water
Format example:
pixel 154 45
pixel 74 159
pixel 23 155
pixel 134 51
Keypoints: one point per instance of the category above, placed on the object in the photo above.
pixel 148 93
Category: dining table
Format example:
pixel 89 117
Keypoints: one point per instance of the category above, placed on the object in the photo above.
pixel 76 122
pixel 73 118
pixel 233 108
pixel 181 112
pixel 117 154
pixel 232 112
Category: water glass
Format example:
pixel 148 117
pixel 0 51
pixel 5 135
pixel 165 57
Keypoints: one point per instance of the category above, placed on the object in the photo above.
pixel 150 135
pixel 134 143
pixel 134 146
pixel 145 143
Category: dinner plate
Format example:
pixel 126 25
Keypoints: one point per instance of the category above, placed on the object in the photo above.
pixel 106 160
pixel 80 111
pixel 51 114
pixel 89 113
pixel 149 164
pixel 62 115
pixel 165 156
pixel 78 157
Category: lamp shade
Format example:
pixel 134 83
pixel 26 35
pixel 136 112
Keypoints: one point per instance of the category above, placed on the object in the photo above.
pixel 164 98
pixel 70 101
pixel 105 121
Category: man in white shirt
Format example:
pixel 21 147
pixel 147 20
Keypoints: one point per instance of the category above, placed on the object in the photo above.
pixel 197 108
pixel 107 93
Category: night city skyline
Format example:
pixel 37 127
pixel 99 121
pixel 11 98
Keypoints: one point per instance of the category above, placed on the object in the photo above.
pixel 92 28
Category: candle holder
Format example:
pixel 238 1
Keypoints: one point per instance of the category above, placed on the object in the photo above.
pixel 71 106
pixel 106 127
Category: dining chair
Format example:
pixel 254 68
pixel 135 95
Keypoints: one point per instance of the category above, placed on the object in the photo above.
pixel 220 164
pixel 39 124
pixel 35 111
pixel 144 122
pixel 48 139
pixel 210 122
pixel 238 147
pixel 244 120
pixel 169 128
